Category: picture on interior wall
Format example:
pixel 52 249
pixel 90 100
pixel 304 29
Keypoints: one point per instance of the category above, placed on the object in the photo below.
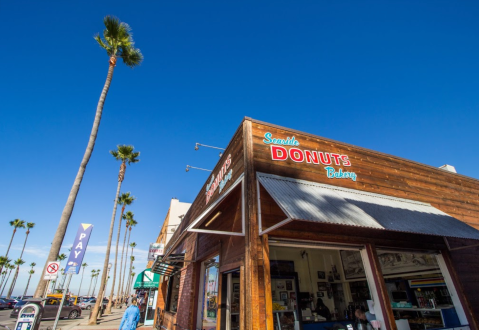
pixel 280 285
pixel 319 294
pixel 278 267
pixel 399 263
pixel 236 287
pixel 352 264
pixel 322 286
pixel 292 295
pixel 321 275
pixel 283 295
pixel 289 285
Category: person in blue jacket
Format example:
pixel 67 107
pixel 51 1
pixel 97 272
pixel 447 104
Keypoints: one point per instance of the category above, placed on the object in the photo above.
pixel 131 316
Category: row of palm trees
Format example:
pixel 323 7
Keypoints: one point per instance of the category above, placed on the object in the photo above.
pixel 6 264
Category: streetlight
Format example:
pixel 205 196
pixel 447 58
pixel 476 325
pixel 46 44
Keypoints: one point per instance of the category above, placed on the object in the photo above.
pixel 204 145
pixel 197 168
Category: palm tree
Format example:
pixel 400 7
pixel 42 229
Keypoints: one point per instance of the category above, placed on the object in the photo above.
pixel 131 281
pixel 131 223
pixel 31 272
pixel 94 285
pixel 17 263
pixel 125 154
pixel 60 258
pixel 118 43
pixel 10 268
pixel 91 281
pixel 132 258
pixel 29 226
pixel 17 223
pixel 84 265
pixel 4 262
pixel 124 200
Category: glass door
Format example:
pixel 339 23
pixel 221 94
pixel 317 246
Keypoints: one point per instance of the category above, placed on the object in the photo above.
pixel 208 306
pixel 230 293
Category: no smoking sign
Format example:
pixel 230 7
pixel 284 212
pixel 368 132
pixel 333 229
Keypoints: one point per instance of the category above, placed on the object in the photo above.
pixel 51 271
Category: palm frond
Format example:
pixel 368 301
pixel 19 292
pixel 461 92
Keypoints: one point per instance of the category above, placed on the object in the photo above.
pixel 112 25
pixel 30 225
pixel 131 56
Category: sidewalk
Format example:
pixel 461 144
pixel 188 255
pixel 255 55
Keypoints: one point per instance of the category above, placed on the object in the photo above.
pixel 106 322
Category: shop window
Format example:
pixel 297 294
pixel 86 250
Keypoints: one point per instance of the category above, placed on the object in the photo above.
pixel 418 291
pixel 317 286
pixel 208 298
pixel 173 293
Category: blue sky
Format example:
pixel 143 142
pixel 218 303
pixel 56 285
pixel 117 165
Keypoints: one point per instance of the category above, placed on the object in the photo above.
pixel 399 77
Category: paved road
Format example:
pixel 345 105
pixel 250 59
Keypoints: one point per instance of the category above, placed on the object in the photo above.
pixel 62 323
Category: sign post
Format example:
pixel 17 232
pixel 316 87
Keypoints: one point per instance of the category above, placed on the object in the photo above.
pixel 74 261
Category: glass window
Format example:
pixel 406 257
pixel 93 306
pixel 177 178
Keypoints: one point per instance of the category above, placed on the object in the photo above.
pixel 174 290
pixel 209 304
pixel 316 285
pixel 417 289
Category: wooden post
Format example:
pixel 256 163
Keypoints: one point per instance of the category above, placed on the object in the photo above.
pixel 252 240
pixel 242 298
pixel 267 284
pixel 384 300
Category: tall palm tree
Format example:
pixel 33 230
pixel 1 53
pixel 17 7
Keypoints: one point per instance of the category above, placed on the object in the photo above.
pixel 17 223
pixel 129 220
pixel 4 262
pixel 127 290
pixel 124 200
pixel 93 272
pixel 60 258
pixel 132 258
pixel 84 265
pixel 118 43
pixel 31 272
pixel 94 285
pixel 131 281
pixel 10 268
pixel 29 226
pixel 17 263
pixel 125 154
pixel 131 223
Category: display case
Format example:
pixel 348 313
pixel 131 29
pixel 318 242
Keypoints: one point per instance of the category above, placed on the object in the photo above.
pixel 428 318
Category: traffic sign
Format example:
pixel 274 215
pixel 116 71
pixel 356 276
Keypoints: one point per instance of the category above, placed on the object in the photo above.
pixel 52 270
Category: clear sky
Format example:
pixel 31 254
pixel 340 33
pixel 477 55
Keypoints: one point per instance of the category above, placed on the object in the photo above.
pixel 401 77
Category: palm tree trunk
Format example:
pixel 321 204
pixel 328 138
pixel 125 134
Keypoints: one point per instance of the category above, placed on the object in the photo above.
pixel 14 281
pixel 81 281
pixel 119 291
pixel 126 260
pixel 108 307
pixel 28 283
pixel 99 300
pixel 24 243
pixel 3 279
pixel 89 288
pixel 1 293
pixel 68 209
pixel 128 290
pixel 9 245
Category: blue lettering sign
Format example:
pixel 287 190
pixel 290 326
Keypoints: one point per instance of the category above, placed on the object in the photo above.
pixel 78 250
pixel 332 174
pixel 290 141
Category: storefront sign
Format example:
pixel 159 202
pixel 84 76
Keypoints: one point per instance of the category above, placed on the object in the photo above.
pixel 156 249
pixel 222 177
pixel 281 153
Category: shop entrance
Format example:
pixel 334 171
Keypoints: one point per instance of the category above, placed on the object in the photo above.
pixel 321 287
pixel 208 299
pixel 230 300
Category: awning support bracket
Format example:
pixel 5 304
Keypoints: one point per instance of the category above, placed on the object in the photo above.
pixel 459 247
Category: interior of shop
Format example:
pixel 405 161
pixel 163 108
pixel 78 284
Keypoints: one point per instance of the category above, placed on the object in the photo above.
pixel 324 288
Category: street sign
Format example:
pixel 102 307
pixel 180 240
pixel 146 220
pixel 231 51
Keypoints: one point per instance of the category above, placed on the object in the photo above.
pixel 78 250
pixel 51 271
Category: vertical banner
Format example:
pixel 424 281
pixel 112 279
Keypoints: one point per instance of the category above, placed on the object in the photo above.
pixel 78 249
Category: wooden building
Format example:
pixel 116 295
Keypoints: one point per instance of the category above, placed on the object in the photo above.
pixel 295 231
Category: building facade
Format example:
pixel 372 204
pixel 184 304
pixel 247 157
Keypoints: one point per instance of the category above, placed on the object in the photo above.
pixel 296 231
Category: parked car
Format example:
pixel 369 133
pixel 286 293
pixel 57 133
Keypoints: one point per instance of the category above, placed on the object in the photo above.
pixel 91 303
pixel 50 309
pixel 11 303
pixel 3 304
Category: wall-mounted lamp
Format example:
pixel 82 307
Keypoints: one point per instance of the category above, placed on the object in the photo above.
pixel 212 219
pixel 196 168
pixel 204 145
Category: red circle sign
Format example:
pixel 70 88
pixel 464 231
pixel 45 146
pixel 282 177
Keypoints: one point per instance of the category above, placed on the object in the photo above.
pixel 52 268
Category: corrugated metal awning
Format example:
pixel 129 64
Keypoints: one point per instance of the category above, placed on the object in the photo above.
pixel 315 202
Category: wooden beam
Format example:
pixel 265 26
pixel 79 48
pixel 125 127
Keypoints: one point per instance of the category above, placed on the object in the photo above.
pixel 268 296
pixel 384 300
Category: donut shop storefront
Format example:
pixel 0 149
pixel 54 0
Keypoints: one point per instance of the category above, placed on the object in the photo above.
pixel 295 231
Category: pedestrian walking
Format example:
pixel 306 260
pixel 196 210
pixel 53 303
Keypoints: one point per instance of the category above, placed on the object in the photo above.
pixel 131 316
